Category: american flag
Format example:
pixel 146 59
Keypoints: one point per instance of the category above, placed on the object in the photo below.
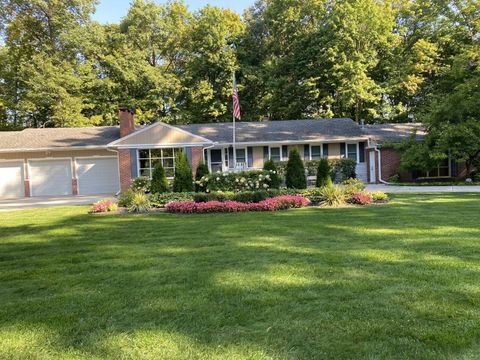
pixel 236 100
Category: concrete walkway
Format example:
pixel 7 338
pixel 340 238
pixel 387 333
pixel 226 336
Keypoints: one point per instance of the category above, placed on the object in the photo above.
pixel 422 189
pixel 43 202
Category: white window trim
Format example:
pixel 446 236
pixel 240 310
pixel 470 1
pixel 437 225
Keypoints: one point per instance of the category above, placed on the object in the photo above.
pixel 270 151
pixel 358 150
pixel 438 167
pixel 210 159
pixel 310 151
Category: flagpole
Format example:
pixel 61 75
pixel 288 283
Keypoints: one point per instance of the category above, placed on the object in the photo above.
pixel 234 137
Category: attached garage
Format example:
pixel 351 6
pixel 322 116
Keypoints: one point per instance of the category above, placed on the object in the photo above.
pixel 97 175
pixel 11 179
pixel 50 177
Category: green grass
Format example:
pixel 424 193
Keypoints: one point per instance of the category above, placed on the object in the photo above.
pixel 394 281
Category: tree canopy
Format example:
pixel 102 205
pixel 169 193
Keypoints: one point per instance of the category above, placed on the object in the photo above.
pixel 377 60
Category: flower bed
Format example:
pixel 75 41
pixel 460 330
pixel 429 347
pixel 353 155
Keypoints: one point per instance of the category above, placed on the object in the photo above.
pixel 104 206
pixel 241 181
pixel 272 204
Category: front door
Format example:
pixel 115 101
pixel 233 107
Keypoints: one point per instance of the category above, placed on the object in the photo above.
pixel 216 161
pixel 373 172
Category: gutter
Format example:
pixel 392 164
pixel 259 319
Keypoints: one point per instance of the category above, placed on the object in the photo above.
pixel 375 148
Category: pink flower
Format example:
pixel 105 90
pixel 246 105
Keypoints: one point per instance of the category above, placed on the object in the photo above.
pixel 273 204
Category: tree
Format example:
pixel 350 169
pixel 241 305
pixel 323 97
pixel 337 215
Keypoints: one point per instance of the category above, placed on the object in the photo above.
pixel 270 166
pixel 159 182
pixel 295 171
pixel 324 173
pixel 202 170
pixel 183 180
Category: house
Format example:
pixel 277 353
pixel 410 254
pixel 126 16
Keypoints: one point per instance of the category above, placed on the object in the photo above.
pixel 104 160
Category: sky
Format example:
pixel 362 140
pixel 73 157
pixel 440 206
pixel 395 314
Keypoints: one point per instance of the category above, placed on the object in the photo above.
pixel 110 11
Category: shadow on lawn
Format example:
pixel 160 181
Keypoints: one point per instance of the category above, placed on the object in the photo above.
pixel 387 282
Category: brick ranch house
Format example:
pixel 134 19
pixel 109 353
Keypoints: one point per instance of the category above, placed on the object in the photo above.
pixel 104 160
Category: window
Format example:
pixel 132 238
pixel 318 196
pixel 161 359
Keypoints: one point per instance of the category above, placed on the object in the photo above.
pixel 149 158
pixel 315 152
pixel 241 156
pixel 275 154
pixel 352 151
pixel 441 170
pixel 216 163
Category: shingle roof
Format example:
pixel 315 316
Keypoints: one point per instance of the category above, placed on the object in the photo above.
pixel 394 132
pixel 284 130
pixel 58 138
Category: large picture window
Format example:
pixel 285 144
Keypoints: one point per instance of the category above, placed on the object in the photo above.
pixel 148 158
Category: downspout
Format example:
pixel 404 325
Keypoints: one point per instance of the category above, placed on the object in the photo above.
pixel 375 148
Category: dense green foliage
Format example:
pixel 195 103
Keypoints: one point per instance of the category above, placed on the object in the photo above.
pixel 365 59
pixel 271 167
pixel 324 173
pixel 295 171
pixel 159 200
pixel 183 180
pixel 202 170
pixel 77 286
pixel 236 181
pixel 159 183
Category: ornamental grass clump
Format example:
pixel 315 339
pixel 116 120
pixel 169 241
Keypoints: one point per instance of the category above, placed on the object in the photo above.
pixel 333 196
pixel 140 203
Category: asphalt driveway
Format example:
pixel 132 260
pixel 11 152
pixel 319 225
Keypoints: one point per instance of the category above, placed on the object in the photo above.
pixel 43 202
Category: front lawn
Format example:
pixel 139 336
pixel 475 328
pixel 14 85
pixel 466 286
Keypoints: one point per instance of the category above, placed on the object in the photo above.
pixel 400 280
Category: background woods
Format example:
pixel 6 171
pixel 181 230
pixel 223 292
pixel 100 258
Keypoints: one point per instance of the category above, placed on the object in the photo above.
pixel 382 61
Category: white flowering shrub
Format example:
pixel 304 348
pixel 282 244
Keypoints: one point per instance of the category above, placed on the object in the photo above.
pixel 239 181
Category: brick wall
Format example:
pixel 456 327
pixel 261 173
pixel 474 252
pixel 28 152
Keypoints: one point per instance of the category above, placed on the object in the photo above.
pixel 391 165
pixel 197 158
pixel 125 168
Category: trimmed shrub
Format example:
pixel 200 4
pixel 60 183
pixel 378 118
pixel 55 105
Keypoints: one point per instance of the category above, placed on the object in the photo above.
pixel 214 196
pixel 352 186
pixel 103 206
pixel 295 172
pixel 239 181
pixel 395 179
pixel 324 177
pixel 361 198
pixel 159 183
pixel 379 196
pixel 272 204
pixel 140 203
pixel 183 180
pixel 141 184
pixel 202 170
pixel 344 168
pixel 333 196
pixel 160 200
pixel 125 198
pixel 272 169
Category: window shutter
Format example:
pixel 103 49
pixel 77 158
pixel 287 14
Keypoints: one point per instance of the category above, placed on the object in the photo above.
pixel 249 156
pixel 188 151
pixel 134 157
pixel 230 158
pixel 284 151
pixel 325 150
pixel 265 153
pixel 361 147
pixel 306 152
pixel 342 150
pixel 205 155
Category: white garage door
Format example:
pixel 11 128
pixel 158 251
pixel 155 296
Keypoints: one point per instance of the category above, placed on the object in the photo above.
pixel 50 177
pixel 97 176
pixel 11 179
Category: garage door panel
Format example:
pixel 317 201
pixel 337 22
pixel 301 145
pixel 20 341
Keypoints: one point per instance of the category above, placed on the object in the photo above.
pixel 51 177
pixel 97 176
pixel 11 180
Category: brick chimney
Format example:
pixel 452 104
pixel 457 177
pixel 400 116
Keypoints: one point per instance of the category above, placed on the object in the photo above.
pixel 127 122
pixel 126 156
